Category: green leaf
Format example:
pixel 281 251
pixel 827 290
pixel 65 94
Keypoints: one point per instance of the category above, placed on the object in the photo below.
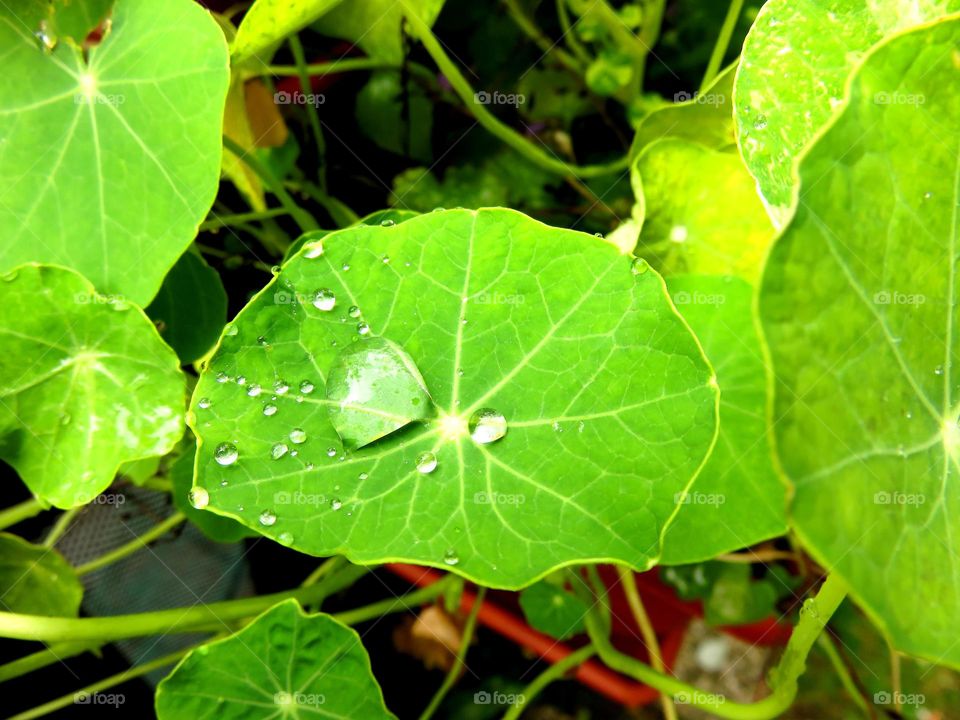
pixel 374 388
pixel 738 499
pixel 108 164
pixel 219 529
pixel 76 18
pixel 553 610
pixel 857 305
pixel 700 209
pixel 191 308
pixel 390 216
pixel 268 22
pixel 86 384
pixel 397 117
pixel 36 580
pixel 283 664
pixel 376 26
pixel 609 403
pixel 796 61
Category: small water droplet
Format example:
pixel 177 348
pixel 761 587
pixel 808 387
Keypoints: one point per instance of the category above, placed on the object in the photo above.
pixel 450 557
pixel 760 123
pixel 269 409
pixel 230 330
pixel 313 250
pixel 278 451
pixel 387 223
pixel 261 340
pixel 254 390
pixel 306 387
pixel 426 463
pixel 487 425
pixel 226 453
pixel 331 452
pixel 267 518
pixel 557 427
pixel 335 504
pixel 324 299
pixel 298 436
pixel 354 311
pixel 199 498
pixel 938 370
pixel 285 538
pixel 363 476
pixel 639 266
pixel 203 403
pixel 345 267
pixel 363 328
pixel 385 259
pixel 927 195
pixel 241 380
pixel 280 387
pixel 580 426
pixel 222 377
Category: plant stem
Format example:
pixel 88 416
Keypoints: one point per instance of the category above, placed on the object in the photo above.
pixel 723 42
pixel 329 68
pixel 22 511
pixel 569 36
pixel 458 664
pixel 489 121
pixel 105 684
pixel 325 568
pixel 843 672
pixel 61 526
pixel 131 547
pixel 227 220
pixel 42 658
pixel 301 216
pixel 640 616
pixel 555 671
pixel 117 627
pixel 296 48
pixel 813 619
pixel 548 46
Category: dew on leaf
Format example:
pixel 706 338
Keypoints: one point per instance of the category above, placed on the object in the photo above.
pixel 387 223
pixel 280 387
pixel 306 387
pixel 222 377
pixel 203 403
pixel 285 538
pixel 298 436
pixel 363 476
pixel 487 425
pixel 426 463
pixel 331 452
pixel 363 328
pixel 638 266
pixel 226 453
pixel 451 558
pixel 269 409
pixel 324 299
pixel 278 451
pixel 354 311
pixel 267 518
pixel 254 390
pixel 335 504
pixel 199 498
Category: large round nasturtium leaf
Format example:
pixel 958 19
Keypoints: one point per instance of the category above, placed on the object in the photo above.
pixel 700 209
pixel 285 664
pixel 553 336
pixel 108 164
pixel 86 384
pixel 858 305
pixel 737 499
pixel 795 64
pixel 215 527
pixel 36 580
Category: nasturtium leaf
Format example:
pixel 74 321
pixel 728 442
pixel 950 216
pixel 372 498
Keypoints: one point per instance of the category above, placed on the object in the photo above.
pixel 86 384
pixel 397 114
pixel 795 63
pixel 553 610
pixel 738 499
pixel 36 580
pixel 390 216
pixel 374 388
pixel 75 19
pixel 608 402
pixel 191 308
pixel 857 305
pixel 376 26
pixel 215 527
pixel 700 209
pixel 108 163
pixel 268 22
pixel 285 664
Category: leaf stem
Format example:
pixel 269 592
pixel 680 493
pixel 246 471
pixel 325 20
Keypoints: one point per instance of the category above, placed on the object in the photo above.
pixel 548 46
pixel 458 664
pixel 131 547
pixel 553 672
pixel 296 48
pixel 723 42
pixel 22 511
pixel 329 68
pixel 61 526
pixel 488 120
pixel 843 672
pixel 392 605
pixel 569 36
pixel 220 221
pixel 301 216
pixel 640 616
pixel 42 658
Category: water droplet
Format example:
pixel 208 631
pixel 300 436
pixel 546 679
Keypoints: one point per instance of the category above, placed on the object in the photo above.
pixel 354 311
pixel 760 123
pixel 262 341
pixel 285 538
pixel 324 299
pixel 580 426
pixel 306 387
pixel 387 223
pixel 363 328
pixel 278 451
pixel 487 425
pixel 426 463
pixel 450 557
pixel 226 454
pixel 927 195
pixel 230 330
pixel 241 380
pixel 199 498
pixel 345 267
pixel 203 403
pixel 280 387
pixel 222 377
pixel 267 518
pixel 938 370
pixel 335 504
pixel 385 259
pixel 45 39
pixel 557 427
pixel 298 436
pixel 363 476
pixel 598 234
pixel 269 409
pixel 331 452
pixel 254 390
pixel 639 266
pixel 313 250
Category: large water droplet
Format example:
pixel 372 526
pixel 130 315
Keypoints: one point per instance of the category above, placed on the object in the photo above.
pixel 278 451
pixel 426 463
pixel 354 311
pixel 387 223
pixel 203 403
pixel 269 409
pixel 363 328
pixel 306 387
pixel 280 387
pixel 226 453
pixel 254 390
pixel 267 518
pixel 487 425
pixel 639 266
pixel 324 299
pixel 298 436
pixel 199 498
